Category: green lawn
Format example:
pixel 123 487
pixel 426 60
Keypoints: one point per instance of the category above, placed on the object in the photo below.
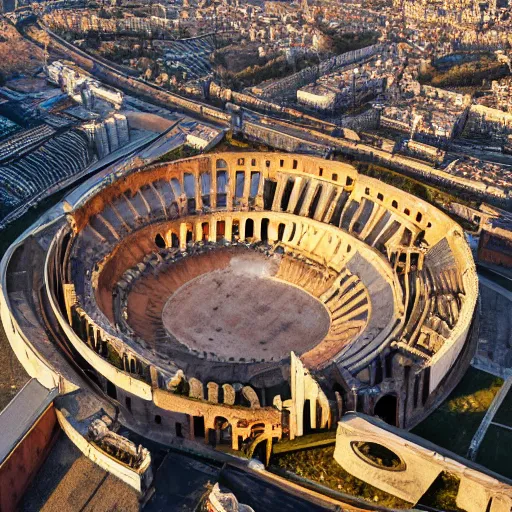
pixel 494 452
pixel 455 422
pixel 307 441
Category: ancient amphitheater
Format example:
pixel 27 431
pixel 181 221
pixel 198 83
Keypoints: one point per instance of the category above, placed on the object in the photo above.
pixel 243 297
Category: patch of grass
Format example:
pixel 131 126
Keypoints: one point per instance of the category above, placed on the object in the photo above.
pixel 442 493
pixel 454 423
pixel 494 452
pixel 318 465
pixel 307 441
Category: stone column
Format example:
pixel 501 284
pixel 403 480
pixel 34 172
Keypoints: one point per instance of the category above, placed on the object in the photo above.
pixel 273 227
pixel 199 231
pixel 281 183
pixel 213 190
pixel 228 229
pixel 294 197
pixel 183 235
pixel 212 235
pixel 241 229
pixel 191 427
pixel 257 228
pixel 247 187
pixel 199 199
pixel 230 189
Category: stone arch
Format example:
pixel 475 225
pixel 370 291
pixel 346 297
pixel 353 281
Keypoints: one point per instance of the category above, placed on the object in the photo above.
pixel 223 430
pixel 221 164
pixel 159 241
pixel 386 408
pixel 256 444
pixel 249 228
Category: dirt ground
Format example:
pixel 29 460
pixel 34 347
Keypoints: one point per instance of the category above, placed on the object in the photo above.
pixel 232 313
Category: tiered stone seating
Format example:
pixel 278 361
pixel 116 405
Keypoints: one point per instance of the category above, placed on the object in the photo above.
pixel 436 293
pixel 430 293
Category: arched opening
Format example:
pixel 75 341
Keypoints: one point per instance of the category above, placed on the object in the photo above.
pixel 221 230
pixel 406 237
pixel 174 211
pixel 264 229
pixel 300 201
pixel 223 431
pixel 198 426
pixel 307 417
pixel 249 228
pixel 387 408
pixel 280 231
pixel 378 455
pixel 159 241
pixel 316 199
pixel 111 390
pixel 176 187
pixel 205 228
pixel 255 184
pixel 235 230
pixel 285 198
pixel 257 429
pixel 222 185
pixel 221 164
pixel 239 184
pixel 206 183
pixel 269 190
pixel 175 241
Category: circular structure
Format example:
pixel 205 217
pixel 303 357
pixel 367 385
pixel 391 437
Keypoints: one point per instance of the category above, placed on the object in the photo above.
pixel 242 297
pixel 243 309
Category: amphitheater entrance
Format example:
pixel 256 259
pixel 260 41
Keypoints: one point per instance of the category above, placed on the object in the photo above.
pixel 386 408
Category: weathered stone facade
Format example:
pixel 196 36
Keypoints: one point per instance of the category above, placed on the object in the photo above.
pixel 393 276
